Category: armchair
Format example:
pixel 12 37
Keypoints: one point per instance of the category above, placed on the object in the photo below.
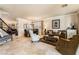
pixel 34 37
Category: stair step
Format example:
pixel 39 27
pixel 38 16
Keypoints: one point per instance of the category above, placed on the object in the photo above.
pixel 5 39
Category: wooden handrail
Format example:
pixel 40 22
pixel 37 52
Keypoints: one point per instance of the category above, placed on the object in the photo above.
pixel 5 24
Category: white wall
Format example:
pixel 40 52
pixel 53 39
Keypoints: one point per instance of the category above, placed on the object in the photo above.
pixel 20 25
pixel 8 19
pixel 65 22
pixel 37 25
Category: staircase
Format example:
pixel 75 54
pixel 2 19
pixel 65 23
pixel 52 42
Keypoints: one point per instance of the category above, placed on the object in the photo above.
pixel 5 32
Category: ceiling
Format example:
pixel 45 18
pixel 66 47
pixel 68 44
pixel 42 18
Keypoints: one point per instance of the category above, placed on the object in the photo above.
pixel 38 10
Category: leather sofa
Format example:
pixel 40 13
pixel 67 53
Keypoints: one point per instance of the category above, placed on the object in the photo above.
pixel 68 46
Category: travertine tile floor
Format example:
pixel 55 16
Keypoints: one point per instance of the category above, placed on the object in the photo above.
pixel 24 46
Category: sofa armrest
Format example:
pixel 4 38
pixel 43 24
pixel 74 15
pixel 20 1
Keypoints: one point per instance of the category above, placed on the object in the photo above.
pixel 65 39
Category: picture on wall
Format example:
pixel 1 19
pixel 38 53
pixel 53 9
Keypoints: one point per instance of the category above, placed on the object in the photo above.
pixel 56 24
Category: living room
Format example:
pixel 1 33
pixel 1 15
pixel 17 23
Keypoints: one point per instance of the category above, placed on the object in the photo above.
pixel 39 29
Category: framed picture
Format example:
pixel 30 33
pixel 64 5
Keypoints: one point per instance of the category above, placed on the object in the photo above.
pixel 56 24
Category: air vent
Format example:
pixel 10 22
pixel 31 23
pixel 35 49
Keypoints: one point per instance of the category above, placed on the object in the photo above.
pixel 64 5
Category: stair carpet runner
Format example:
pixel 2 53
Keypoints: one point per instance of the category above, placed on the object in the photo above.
pixel 4 37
